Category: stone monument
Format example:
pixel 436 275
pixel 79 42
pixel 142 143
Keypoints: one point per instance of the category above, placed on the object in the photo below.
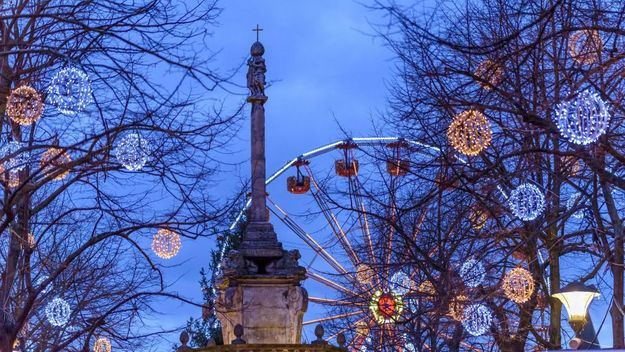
pixel 259 287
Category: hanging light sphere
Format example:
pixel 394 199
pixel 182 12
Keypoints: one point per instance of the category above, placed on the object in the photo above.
pixel 102 345
pixel 526 202
pixel 70 91
pixel 585 46
pixel 478 217
pixel 472 272
pixel 469 132
pixel 364 273
pixel 489 74
pixel 133 151
pixel 401 283
pixel 362 328
pixel 570 204
pixel 58 312
pixel 55 161
pixel 166 243
pixel 583 119
pixel 13 161
pixel 24 105
pixel 518 285
pixel 477 319
pixel 456 307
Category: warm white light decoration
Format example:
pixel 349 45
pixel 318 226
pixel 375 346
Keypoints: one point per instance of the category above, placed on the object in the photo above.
pixel 456 307
pixel 490 74
pixel 585 46
pixel 526 202
pixel 469 132
pixel 166 243
pixel 583 119
pixel 401 283
pixel 102 345
pixel 58 312
pixel 472 272
pixel 133 151
pixel 571 202
pixel 518 285
pixel 24 105
pixel 364 273
pixel 426 290
pixel 13 161
pixel 70 91
pixel 55 161
pixel 477 319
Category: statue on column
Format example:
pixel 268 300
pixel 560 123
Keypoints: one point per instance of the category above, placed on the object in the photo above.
pixel 256 72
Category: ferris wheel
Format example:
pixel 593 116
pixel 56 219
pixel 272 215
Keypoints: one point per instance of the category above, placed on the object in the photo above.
pixel 340 203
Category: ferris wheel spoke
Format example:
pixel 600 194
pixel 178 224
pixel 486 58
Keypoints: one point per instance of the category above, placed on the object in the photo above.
pixel 332 220
pixel 307 238
pixel 333 317
pixel 333 302
pixel 323 280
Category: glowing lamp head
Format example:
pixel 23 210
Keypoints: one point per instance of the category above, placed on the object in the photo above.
pixel 576 297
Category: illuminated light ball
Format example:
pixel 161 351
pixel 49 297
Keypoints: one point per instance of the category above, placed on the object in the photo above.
pixel 133 151
pixel 570 204
pixel 518 285
pixel 102 345
pixel 362 328
pixel 58 312
pixel 13 161
pixel 456 307
pixel 489 74
pixel 478 217
pixel 472 272
pixel 401 283
pixel 476 319
pixel 585 46
pixel 526 202
pixel 364 273
pixel 166 243
pixel 12 179
pixel 409 347
pixel 55 161
pixel 386 307
pixel 469 133
pixel 70 91
pixel 427 289
pixel 25 105
pixel 583 119
pixel 412 303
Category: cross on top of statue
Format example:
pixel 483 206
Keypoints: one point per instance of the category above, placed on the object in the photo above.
pixel 257 30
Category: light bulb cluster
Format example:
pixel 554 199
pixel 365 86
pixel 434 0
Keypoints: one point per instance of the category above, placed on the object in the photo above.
pixel 477 319
pixel 518 285
pixel 526 202
pixel 489 74
pixel 24 105
pixel 364 273
pixel 102 344
pixel 427 290
pixel 472 272
pixel 583 119
pixel 166 243
pixel 58 312
pixel 585 46
pixel 70 91
pixel 56 161
pixel 469 132
pixel 133 151
pixel 478 217
pixel 401 283
pixel 456 307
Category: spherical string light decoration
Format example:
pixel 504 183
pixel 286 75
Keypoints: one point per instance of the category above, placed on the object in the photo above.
pixel 427 289
pixel 585 46
pixel 572 202
pixel 584 119
pixel 13 159
pixel 526 202
pixel 518 285
pixel 12 179
pixel 364 273
pixel 55 161
pixel 478 217
pixel 469 132
pixel 58 312
pixel 456 307
pixel 166 243
pixel 476 319
pixel 102 344
pixel 401 283
pixel 70 91
pixel 24 105
pixel 489 74
pixel 133 151
pixel 472 272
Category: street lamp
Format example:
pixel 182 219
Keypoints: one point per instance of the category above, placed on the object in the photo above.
pixel 576 297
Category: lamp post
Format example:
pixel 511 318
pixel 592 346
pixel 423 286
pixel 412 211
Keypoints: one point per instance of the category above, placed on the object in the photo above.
pixel 576 297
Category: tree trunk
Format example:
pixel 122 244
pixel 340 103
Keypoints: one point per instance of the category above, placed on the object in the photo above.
pixel 555 305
